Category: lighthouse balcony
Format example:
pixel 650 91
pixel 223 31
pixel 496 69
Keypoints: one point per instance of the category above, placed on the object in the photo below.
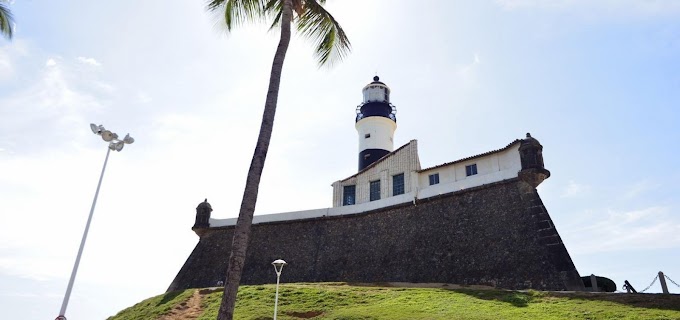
pixel 376 109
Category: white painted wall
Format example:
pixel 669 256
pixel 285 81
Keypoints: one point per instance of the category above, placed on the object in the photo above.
pixel 497 166
pixel 316 213
pixel 381 132
pixel 404 160
pixel 491 168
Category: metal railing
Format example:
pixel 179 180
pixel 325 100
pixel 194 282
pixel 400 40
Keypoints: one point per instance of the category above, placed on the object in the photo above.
pixel 662 280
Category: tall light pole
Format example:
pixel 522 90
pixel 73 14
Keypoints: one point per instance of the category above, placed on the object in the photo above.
pixel 114 144
pixel 278 266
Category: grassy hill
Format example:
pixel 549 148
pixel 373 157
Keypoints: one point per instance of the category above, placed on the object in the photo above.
pixel 343 301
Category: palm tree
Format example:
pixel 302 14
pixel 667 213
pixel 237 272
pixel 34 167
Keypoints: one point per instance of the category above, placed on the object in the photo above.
pixel 6 20
pixel 312 21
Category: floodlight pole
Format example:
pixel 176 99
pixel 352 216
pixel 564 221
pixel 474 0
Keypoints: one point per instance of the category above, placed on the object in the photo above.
pixel 82 242
pixel 114 144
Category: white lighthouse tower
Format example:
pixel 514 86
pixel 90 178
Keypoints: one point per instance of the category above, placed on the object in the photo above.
pixel 376 121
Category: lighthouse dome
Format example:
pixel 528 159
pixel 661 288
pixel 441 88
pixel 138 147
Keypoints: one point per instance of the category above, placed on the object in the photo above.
pixel 376 91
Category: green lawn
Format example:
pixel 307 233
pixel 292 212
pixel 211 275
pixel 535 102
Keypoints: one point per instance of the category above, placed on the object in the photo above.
pixel 341 301
pixel 155 307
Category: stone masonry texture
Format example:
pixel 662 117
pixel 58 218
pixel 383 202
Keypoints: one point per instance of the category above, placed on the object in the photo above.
pixel 498 234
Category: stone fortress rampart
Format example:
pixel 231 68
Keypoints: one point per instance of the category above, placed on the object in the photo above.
pixel 497 234
pixel 473 221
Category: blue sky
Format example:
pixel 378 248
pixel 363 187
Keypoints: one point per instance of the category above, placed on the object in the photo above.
pixel 595 81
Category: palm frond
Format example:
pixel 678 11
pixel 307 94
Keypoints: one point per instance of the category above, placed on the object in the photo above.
pixel 274 8
pixel 318 24
pixel 6 21
pixel 236 12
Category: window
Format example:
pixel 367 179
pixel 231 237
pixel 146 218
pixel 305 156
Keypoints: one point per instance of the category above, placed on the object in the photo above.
pixel 348 195
pixel 471 170
pixel 398 184
pixel 375 190
pixel 368 135
pixel 434 178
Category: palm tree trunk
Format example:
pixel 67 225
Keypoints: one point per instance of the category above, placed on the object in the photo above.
pixel 239 243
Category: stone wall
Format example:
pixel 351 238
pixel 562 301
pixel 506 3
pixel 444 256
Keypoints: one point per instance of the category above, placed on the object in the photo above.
pixel 498 234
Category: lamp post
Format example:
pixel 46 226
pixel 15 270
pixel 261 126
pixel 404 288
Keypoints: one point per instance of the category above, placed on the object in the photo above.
pixel 114 144
pixel 278 266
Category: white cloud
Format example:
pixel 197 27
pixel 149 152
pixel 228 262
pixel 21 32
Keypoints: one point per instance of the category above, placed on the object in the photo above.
pixel 20 294
pixel 105 87
pixel 35 267
pixel 6 67
pixel 639 188
pixel 143 97
pixel 647 228
pixel 89 61
pixel 54 103
pixel 599 8
pixel 468 73
pixel 517 4
pixel 10 56
pixel 574 189
pixel 469 67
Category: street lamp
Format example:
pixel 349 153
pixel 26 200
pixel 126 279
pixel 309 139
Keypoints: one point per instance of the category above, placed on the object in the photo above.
pixel 278 266
pixel 114 144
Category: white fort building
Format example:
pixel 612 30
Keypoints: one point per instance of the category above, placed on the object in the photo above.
pixel 388 177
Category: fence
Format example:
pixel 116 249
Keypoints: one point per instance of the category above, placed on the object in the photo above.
pixel 662 280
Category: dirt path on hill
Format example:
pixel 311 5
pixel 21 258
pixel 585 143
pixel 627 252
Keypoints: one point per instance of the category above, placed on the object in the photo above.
pixel 190 309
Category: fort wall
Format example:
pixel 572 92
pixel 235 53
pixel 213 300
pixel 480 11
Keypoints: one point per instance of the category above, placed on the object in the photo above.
pixel 498 234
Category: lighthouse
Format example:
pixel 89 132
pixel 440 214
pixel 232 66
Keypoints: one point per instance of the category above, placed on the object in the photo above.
pixel 376 122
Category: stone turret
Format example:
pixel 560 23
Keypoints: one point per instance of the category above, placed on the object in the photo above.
pixel 202 216
pixel 531 154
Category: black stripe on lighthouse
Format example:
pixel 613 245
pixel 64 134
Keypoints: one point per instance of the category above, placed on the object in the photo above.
pixel 368 156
